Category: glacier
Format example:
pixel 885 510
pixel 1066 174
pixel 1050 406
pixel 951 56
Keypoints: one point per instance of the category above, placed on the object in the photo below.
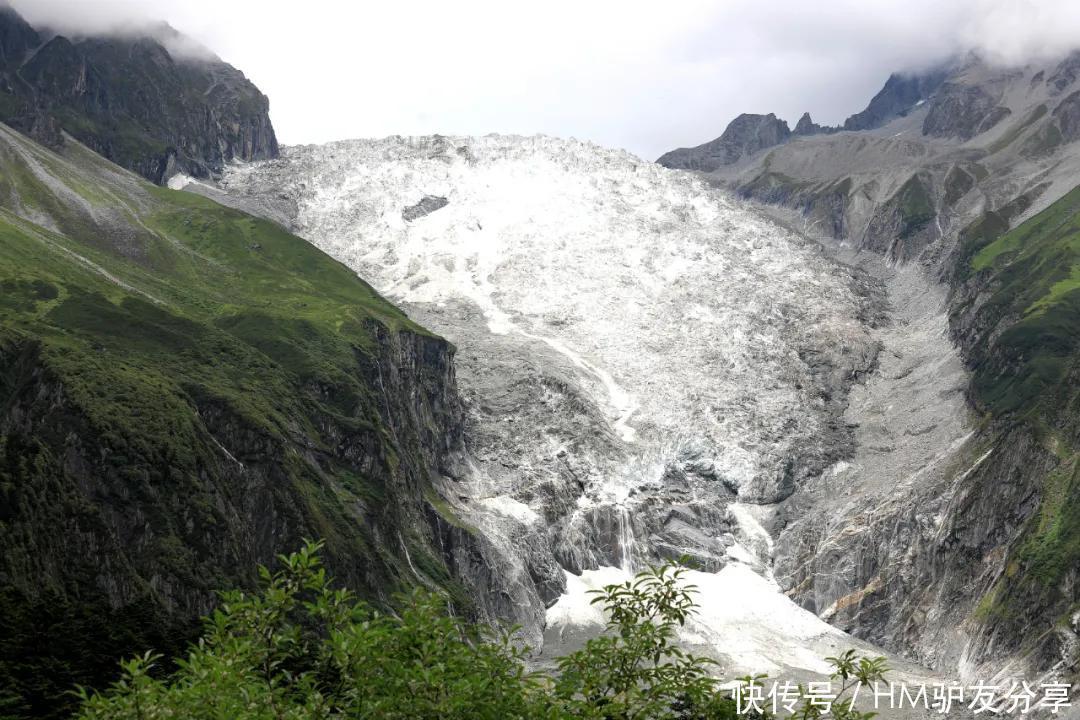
pixel 649 366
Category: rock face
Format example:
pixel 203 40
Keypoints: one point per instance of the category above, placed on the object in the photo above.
pixel 427 205
pixel 1063 75
pixel 17 38
pixel 901 93
pixel 189 403
pixel 962 111
pixel 1067 115
pixel 806 126
pixel 744 136
pixel 969 176
pixel 130 98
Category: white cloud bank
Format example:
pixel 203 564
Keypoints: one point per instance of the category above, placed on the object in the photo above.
pixel 647 76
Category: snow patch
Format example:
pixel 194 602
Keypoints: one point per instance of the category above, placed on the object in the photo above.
pixel 741 616
pixel 179 181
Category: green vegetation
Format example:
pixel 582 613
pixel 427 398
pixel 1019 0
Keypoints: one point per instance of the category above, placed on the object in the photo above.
pixel 985 230
pixel 301 649
pixel 1032 269
pixel 1025 359
pixel 915 206
pixel 980 233
pixel 1052 548
pixel 187 390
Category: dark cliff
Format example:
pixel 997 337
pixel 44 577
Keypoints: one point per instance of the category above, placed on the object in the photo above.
pixel 129 98
pixel 186 391
pixel 902 92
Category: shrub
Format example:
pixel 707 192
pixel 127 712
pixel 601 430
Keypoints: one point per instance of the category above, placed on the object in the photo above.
pixel 301 649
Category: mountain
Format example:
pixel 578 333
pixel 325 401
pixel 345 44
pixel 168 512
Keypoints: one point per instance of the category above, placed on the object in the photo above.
pixel 147 99
pixel 970 175
pixel 186 391
pixel 862 438
pixel 902 92
pixel 747 134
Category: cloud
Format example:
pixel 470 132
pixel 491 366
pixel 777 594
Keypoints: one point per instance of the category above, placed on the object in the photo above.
pixel 116 18
pixel 643 75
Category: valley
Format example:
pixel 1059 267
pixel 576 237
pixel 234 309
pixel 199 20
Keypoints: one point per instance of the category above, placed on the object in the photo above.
pixel 549 250
pixel 833 368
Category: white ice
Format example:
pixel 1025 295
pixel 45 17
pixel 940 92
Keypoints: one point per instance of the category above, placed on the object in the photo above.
pixel 684 311
pixel 741 616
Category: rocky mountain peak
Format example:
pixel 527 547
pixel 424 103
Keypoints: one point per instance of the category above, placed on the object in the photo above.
pixel 150 99
pixel 17 38
pixel 961 99
pixel 806 126
pixel 743 136
pixel 751 129
pixel 901 93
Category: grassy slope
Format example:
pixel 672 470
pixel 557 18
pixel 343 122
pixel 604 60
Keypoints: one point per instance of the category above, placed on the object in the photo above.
pixel 1025 366
pixel 1033 271
pixel 145 304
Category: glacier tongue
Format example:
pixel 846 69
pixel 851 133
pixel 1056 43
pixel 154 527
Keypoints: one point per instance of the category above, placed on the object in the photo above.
pixel 643 358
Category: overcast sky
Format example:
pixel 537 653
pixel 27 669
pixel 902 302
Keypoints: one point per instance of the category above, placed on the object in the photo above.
pixel 647 76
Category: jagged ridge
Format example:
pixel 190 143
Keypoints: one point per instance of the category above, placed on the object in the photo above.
pixel 131 100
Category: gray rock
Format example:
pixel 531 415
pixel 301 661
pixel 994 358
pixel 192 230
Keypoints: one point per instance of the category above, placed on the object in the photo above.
pixel 1067 115
pixel 427 205
pixel 899 95
pixel 131 99
pixel 1065 74
pixel 962 111
pixel 744 136
pixel 806 126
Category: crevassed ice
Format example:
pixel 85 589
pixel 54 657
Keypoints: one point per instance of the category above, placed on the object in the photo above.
pixel 683 313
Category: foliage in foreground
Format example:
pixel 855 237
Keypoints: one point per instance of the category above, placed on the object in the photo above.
pixel 302 649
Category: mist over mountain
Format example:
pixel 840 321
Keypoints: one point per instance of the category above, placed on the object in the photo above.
pixel 633 75
pixel 143 95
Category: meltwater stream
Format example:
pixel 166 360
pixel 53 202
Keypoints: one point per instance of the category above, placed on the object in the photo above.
pixel 646 364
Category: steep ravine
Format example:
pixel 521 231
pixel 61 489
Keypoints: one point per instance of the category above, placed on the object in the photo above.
pixel 861 545
pixel 916 552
